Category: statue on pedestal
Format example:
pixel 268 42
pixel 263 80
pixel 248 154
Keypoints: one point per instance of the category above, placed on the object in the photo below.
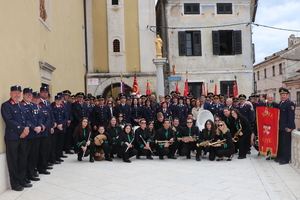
pixel 158 44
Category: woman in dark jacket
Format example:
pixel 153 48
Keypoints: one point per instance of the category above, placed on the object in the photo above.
pixel 149 112
pixel 207 135
pixel 83 140
pixel 125 146
pixel 114 130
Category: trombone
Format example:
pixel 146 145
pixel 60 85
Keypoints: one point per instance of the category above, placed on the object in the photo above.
pixel 188 137
pixel 219 142
pixel 206 142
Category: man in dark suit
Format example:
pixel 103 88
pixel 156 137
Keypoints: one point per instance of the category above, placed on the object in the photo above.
pixel 286 125
pixel 123 108
pixel 17 128
pixel 100 114
pixel 79 109
pixel 69 131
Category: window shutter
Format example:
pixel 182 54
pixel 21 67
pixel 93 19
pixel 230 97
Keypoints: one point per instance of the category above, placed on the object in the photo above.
pixel 216 42
pixel 181 43
pixel 197 43
pixel 237 38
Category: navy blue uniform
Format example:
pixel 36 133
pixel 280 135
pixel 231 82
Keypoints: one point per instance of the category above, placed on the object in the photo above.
pixel 79 110
pixel 182 112
pixel 125 109
pixel 69 131
pixel 149 114
pixel 16 119
pixel 216 109
pixel 100 115
pixel 247 112
pixel 286 120
pixel 136 113
pixel 167 113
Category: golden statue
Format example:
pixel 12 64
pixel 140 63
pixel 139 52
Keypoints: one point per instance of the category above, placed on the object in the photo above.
pixel 158 44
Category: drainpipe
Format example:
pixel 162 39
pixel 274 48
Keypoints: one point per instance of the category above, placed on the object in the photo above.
pixel 166 42
pixel 86 47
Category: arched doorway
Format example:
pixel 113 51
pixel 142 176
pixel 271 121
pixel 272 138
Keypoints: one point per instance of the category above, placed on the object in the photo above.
pixel 114 89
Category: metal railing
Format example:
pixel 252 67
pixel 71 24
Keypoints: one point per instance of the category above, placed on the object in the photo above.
pixel 296 148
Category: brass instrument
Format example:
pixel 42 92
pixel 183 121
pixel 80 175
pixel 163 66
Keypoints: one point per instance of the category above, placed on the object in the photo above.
pixel 207 142
pixel 219 142
pixel 162 142
pixel 236 135
pixel 188 137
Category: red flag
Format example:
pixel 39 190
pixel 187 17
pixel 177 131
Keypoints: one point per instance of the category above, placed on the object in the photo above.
pixel 203 89
pixel 267 129
pixel 135 86
pixel 148 92
pixel 186 88
pixel 176 89
pixel 235 90
pixel 215 90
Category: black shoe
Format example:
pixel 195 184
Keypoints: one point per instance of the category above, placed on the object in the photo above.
pixel 63 156
pixel 27 181
pixel 172 157
pixel 50 164
pixel 248 152
pixel 35 175
pixel 161 157
pixel 188 157
pixel 55 162
pixel 138 157
pixel 60 160
pixel 283 163
pixel 149 157
pixel 112 155
pixel 79 158
pixel 69 152
pixel 241 157
pixel 278 160
pixel 33 178
pixel 27 185
pixel 127 161
pixel 19 188
pixel 198 158
pixel 44 172
pixel 91 160
pixel 268 158
pixel 49 168
pixel 118 155
pixel 108 159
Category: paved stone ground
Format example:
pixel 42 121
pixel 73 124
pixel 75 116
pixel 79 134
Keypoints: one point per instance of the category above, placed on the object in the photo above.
pixel 251 178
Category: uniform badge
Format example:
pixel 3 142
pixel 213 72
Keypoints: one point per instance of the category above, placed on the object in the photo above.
pixel 293 107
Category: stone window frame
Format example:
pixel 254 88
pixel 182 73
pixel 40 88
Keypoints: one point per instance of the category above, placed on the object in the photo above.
pixel 46 20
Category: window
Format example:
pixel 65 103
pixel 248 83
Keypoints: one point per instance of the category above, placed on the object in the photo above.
pixel 273 70
pixel 227 42
pixel 253 76
pixel 226 87
pixel 115 2
pixel 191 8
pixel 189 43
pixel 265 73
pixel 258 75
pixel 196 89
pixel 280 69
pixel 116 45
pixel 298 99
pixel 224 8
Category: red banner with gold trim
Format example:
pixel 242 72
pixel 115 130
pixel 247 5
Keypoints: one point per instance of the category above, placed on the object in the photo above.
pixel 267 130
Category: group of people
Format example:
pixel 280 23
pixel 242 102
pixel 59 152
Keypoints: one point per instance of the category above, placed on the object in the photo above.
pixel 38 131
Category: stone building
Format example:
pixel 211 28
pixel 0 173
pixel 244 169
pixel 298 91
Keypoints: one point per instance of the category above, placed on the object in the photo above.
pixel 211 40
pixel 119 41
pixel 281 69
pixel 42 44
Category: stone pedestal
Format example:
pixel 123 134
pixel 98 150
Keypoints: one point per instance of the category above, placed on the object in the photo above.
pixel 160 86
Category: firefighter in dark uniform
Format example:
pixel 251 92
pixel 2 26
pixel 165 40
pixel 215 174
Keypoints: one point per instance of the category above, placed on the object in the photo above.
pixel 286 125
pixel 123 108
pixel 100 114
pixel 216 108
pixel 136 112
pixel 58 137
pixel 182 112
pixel 35 126
pixel 79 109
pixel 69 131
pixel 17 128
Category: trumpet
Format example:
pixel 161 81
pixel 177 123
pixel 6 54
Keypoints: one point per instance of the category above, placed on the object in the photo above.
pixel 219 142
pixel 162 142
pixel 206 142
pixel 188 137
pixel 236 135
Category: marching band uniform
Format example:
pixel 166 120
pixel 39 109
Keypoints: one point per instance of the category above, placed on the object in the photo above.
pixel 226 149
pixel 136 113
pixel 79 110
pixel 106 145
pixel 142 135
pixel 216 109
pixel 122 147
pixel 206 135
pixel 69 131
pixel 166 112
pixel 100 115
pixel 80 140
pixel 114 132
pixel 149 113
pixel 162 151
pixel 191 145
pixel 182 112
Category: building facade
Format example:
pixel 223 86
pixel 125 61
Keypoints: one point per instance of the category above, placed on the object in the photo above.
pixel 43 45
pixel 281 69
pixel 119 42
pixel 210 40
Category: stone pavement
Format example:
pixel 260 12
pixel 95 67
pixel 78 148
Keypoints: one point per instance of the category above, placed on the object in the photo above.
pixel 251 178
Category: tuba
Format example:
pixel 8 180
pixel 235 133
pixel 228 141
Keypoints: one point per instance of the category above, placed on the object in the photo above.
pixel 236 135
pixel 202 117
pixel 98 140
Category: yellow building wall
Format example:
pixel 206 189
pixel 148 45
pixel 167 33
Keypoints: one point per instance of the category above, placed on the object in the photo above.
pixel 25 41
pixel 132 50
pixel 99 13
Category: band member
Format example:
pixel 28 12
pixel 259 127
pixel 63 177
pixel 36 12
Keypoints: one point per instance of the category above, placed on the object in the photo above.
pixel 181 111
pixel 228 119
pixel 245 109
pixel 286 125
pixel 79 109
pixel 207 134
pixel 17 128
pixel 114 130
pixel 227 147
pixel 151 130
pixel 242 132
pixel 125 146
pixel 121 121
pixel 68 104
pixel 159 122
pixel 149 112
pixel 165 110
pixel 136 112
pixel 177 133
pixel 190 134
pixel 216 108
pixel 104 144
pixel 166 137
pixel 35 127
pixel 83 140
pixel 100 114
pixel 143 140
pixel 123 108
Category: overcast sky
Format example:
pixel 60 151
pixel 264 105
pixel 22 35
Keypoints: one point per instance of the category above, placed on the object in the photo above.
pixel 278 13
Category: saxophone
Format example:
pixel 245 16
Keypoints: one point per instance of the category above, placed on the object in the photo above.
pixel 236 135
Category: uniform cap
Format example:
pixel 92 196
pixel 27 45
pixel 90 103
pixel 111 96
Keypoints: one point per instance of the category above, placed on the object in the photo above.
pixel 44 88
pixel 27 90
pixel 283 91
pixel 16 88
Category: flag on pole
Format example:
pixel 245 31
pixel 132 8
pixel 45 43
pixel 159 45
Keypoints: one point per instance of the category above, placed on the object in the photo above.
pixel 148 92
pixel 122 86
pixel 235 90
pixel 186 88
pixel 215 90
pixel 135 86
pixel 203 89
pixel 176 89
